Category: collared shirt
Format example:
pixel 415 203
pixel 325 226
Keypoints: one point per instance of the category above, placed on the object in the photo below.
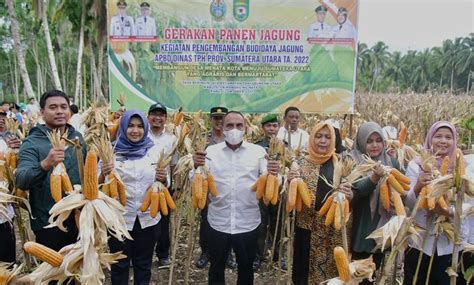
pixel 165 141
pixel 426 220
pixel 235 208
pixel 145 26
pixel 9 209
pixel 344 31
pixel 138 175
pixel 76 122
pixel 122 26
pixel 320 30
pixel 212 139
pixel 295 137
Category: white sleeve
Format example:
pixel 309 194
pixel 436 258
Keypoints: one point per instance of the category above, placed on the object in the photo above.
pixel 413 171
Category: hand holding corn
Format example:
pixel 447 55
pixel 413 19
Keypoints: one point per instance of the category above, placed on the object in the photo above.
pixel 161 174
pixel 199 158
pixel 55 157
pixel 13 142
pixel 346 189
pixel 273 167
pixel 107 168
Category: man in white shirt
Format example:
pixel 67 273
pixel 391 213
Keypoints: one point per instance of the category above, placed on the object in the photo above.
pixel 32 107
pixel 290 133
pixel 145 25
pixel 234 215
pixel 157 116
pixel 344 28
pixel 122 25
pixel 76 120
pixel 320 29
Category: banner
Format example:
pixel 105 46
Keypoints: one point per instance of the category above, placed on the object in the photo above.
pixel 251 56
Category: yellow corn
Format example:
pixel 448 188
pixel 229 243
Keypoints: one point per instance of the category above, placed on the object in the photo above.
pixel 443 169
pixel 346 210
pixel 269 187
pixel 304 192
pixel 327 204
pixel 298 203
pixel 403 133
pixel 261 182
pixel 276 188
pixel 113 186
pixel 43 253
pixel 342 264
pixel 66 183
pixel 163 206
pixel 338 217
pixel 392 181
pixel 147 200
pixel 203 198
pixel 197 184
pixel 442 203
pixel 169 199
pixel 292 190
pixel 212 185
pixel 55 185
pixel 330 215
pixel 91 180
pixel 106 189
pixel 121 192
pixel 397 202
pixel 385 196
pixel 154 203
pixel 400 176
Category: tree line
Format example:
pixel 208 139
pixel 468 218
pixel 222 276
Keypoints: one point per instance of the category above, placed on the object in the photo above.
pixel 62 44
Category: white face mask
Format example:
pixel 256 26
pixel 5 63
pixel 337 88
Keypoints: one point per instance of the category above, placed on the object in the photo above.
pixel 234 136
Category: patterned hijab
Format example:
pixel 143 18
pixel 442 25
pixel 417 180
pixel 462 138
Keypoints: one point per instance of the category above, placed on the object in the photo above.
pixel 314 156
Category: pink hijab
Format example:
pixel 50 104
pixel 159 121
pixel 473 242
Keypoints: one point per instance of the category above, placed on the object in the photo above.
pixel 429 142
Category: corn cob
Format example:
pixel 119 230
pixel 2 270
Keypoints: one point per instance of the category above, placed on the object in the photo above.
pixel 169 199
pixel 400 176
pixel 195 199
pixel 261 182
pixel 269 187
pixel 121 192
pixel 154 203
pixel 299 203
pixel 91 181
pixel 197 183
pixel 431 202
pixel 292 190
pixel 423 201
pixel 442 203
pixel 66 184
pixel 330 215
pixel 403 133
pixel 106 189
pixel 13 160
pixel 397 202
pixel 384 195
pixel 212 185
pixel 43 253
pixel 276 187
pixel 443 169
pixel 346 210
pixel 342 264
pixel 163 206
pixel 178 118
pixel 55 185
pixel 147 200
pixel 304 192
pixel 392 181
pixel 326 206
pixel 113 186
pixel 203 198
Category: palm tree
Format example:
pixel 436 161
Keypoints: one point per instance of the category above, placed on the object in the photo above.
pixel 379 56
pixel 465 57
pixel 421 72
pixel 396 69
pixel 19 50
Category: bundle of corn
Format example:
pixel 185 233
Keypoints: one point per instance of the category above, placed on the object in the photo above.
pixel 59 179
pixel 9 273
pixel 203 180
pixel 393 185
pixel 99 217
pixel 11 156
pixel 253 130
pixel 298 193
pixel 336 206
pixel 113 185
pixel 267 185
pixel 441 182
pixel 359 270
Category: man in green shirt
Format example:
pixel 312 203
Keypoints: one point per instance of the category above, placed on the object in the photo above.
pixel 36 162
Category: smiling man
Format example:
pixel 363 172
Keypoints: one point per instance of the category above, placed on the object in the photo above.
pixel 36 163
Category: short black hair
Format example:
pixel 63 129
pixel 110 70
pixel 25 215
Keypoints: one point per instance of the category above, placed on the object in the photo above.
pixel 5 102
pixel 233 112
pixel 52 93
pixel 291 108
pixel 74 109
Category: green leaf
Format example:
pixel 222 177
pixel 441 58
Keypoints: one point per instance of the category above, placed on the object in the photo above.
pixel 469 274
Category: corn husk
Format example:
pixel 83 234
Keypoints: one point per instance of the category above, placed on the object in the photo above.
pixel 9 272
pixel 360 270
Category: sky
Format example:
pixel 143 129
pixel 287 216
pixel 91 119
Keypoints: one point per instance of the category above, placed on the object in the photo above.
pixel 414 24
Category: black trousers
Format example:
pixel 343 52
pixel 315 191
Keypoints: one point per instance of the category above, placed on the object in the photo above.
pixel 55 238
pixel 244 246
pixel 163 242
pixel 301 249
pixel 438 275
pixel 139 251
pixel 7 243
pixel 377 257
pixel 204 231
pixel 269 215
